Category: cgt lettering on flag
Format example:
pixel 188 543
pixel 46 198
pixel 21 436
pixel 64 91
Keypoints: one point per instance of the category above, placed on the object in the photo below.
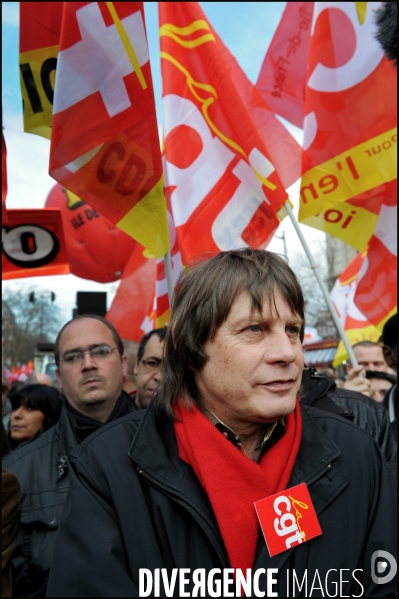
pixel 220 153
pixel 350 125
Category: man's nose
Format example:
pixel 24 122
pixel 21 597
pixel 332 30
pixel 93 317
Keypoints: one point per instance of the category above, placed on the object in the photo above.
pixel 87 362
pixel 281 348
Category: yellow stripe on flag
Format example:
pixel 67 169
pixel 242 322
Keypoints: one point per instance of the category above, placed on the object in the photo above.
pixel 355 171
pixel 147 222
pixel 127 44
pixel 175 32
pixel 352 224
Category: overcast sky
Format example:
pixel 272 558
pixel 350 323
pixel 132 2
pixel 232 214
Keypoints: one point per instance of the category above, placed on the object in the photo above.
pixel 245 27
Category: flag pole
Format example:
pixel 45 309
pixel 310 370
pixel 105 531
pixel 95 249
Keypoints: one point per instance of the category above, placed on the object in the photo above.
pixel 323 287
pixel 169 276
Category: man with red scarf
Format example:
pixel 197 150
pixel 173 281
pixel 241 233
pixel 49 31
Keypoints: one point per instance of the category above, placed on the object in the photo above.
pixel 174 486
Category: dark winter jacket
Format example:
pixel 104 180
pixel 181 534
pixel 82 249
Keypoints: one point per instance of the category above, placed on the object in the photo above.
pixel 133 503
pixel 41 466
pixel 322 393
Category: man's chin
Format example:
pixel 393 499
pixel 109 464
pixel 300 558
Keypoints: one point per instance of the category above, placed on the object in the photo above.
pixel 94 398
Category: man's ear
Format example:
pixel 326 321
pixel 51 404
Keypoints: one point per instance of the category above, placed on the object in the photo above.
pixel 59 381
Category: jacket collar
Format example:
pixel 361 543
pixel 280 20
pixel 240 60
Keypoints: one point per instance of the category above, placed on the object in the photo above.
pixel 154 450
pixel 316 391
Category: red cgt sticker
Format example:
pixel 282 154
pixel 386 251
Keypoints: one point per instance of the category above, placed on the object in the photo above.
pixel 287 519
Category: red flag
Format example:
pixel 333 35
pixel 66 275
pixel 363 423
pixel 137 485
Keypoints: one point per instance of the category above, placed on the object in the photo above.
pixel 345 92
pixel 133 302
pixel 104 145
pixel 282 78
pixel 33 244
pixel 222 178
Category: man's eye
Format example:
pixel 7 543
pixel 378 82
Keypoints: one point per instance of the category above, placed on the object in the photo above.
pixel 255 328
pixel 100 351
pixel 71 358
pixel 151 363
pixel 294 330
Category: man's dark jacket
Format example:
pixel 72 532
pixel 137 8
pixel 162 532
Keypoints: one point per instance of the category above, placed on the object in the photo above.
pixel 322 393
pixel 133 503
pixel 41 466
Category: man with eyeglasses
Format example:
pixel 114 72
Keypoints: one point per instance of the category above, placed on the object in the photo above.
pixel 91 369
pixel 148 366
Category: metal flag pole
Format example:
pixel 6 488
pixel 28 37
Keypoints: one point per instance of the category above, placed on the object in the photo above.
pixel 323 288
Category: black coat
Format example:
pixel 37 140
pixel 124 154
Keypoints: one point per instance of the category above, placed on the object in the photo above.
pixel 41 466
pixel 133 503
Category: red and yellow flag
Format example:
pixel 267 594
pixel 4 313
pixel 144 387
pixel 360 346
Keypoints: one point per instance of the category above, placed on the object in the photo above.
pixel 39 27
pixel 365 294
pixel 326 72
pixel 350 125
pixel 104 144
pixel 222 177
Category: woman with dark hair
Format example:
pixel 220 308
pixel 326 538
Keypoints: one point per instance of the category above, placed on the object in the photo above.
pixel 34 408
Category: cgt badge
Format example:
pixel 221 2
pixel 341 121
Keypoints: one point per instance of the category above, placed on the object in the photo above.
pixel 287 519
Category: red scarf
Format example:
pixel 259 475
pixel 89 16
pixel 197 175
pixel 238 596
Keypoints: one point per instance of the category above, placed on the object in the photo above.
pixel 232 481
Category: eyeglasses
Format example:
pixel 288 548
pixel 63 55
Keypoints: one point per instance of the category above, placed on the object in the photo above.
pixel 97 352
pixel 151 364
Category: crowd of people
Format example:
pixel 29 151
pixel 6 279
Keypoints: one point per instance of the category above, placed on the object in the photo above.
pixel 151 455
